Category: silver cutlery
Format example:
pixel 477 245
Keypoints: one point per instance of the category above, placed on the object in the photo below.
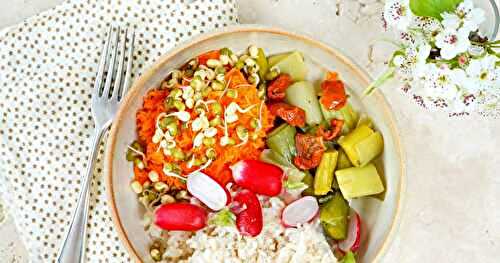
pixel 111 84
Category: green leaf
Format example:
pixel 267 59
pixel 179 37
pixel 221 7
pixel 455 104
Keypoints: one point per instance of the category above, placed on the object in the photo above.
pixel 433 8
pixel 348 258
pixel 223 218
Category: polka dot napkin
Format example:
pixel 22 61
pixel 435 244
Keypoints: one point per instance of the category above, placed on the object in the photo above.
pixel 47 69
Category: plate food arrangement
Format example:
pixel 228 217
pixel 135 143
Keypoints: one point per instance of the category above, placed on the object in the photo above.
pixel 240 156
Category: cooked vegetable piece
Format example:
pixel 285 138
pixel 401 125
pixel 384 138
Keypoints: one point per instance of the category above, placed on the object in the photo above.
pixel 277 58
pixel 370 148
pixel 362 145
pixel 293 115
pixel 282 142
pixel 277 88
pixel 310 149
pixel 346 113
pixel 333 216
pixel 262 62
pixel 365 120
pixel 294 65
pixel 359 181
pixel 269 156
pixel 348 258
pixel 343 161
pixel 309 181
pixel 324 174
pixel 293 174
pixel 302 95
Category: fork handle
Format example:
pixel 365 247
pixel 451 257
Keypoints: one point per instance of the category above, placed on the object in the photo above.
pixel 73 247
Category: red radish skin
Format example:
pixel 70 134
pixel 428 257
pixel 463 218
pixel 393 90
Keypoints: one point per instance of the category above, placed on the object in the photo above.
pixel 258 177
pixel 181 217
pixel 300 211
pixel 248 212
pixel 207 190
pixel 353 239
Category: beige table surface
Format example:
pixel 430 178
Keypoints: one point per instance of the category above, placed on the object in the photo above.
pixel 452 209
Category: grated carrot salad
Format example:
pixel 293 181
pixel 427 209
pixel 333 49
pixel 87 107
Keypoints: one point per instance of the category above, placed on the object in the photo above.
pixel 225 155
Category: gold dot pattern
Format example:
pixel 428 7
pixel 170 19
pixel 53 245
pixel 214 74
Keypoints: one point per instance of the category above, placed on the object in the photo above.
pixel 47 70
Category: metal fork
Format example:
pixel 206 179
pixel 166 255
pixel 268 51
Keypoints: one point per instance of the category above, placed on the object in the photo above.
pixel 104 103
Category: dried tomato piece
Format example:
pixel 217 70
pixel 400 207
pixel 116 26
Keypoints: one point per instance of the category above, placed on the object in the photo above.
pixel 213 54
pixel 334 96
pixel 310 149
pixel 336 128
pixel 276 90
pixel 294 116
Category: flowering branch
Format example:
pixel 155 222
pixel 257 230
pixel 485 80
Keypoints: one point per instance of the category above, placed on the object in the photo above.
pixel 443 56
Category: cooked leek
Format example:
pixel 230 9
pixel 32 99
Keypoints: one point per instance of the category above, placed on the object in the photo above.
pixel 369 148
pixel 294 65
pixel 333 217
pixel 269 156
pixel 277 58
pixel 343 161
pixel 362 145
pixel 302 95
pixel 309 181
pixel 346 113
pixel 324 174
pixel 293 174
pixel 282 142
pixel 359 181
pixel 365 120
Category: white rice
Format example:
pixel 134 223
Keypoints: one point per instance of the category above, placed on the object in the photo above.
pixel 275 244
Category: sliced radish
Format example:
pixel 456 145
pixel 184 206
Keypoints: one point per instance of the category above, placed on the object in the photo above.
pixel 300 211
pixel 352 241
pixel 207 190
pixel 181 217
pixel 258 177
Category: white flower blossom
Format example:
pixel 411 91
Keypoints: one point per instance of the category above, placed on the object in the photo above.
pixel 450 21
pixel 453 42
pixel 484 73
pixel 470 17
pixel 429 26
pixel 441 82
pixel 398 14
pixel 414 60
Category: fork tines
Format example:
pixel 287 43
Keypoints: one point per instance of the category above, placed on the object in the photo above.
pixel 118 50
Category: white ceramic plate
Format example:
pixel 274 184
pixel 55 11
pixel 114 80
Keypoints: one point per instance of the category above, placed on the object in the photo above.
pixel 380 219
